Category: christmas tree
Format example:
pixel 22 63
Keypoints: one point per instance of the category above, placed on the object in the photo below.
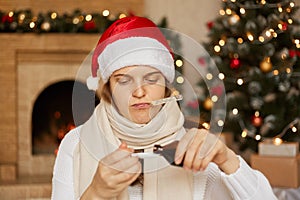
pixel 255 45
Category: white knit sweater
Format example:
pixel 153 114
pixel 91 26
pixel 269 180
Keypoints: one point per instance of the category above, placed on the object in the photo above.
pixel 245 183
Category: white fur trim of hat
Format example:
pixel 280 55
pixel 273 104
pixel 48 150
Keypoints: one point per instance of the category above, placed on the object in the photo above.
pixel 133 51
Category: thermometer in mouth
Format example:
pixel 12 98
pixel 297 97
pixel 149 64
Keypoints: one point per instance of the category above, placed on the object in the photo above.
pixel 178 97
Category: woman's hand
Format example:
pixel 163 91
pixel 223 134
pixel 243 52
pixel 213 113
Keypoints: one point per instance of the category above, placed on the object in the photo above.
pixel 115 172
pixel 198 148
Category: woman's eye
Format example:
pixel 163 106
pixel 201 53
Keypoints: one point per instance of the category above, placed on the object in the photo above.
pixel 124 80
pixel 151 79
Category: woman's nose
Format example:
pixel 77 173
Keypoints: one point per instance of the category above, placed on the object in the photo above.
pixel 139 91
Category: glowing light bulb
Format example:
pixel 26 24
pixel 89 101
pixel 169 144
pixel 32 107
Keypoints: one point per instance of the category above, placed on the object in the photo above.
pixel 88 18
pixel 53 15
pixel 222 12
pixel 11 13
pixel 214 98
pixel 294 129
pixel 261 38
pixel 105 13
pixel 32 25
pixel 240 81
pixel 228 11
pixel 277 141
pixel 205 125
pixel 217 48
pixel 179 63
pixel 235 111
pixel 244 133
pixel 276 72
pixel 258 137
pixel 250 36
pixel 180 79
pixel 240 40
pixel 242 11
pixel 222 42
pixel 209 76
pixel 122 15
pixel 221 76
pixel 220 123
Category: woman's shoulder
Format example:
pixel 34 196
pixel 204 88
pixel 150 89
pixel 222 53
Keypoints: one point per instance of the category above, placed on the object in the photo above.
pixel 70 140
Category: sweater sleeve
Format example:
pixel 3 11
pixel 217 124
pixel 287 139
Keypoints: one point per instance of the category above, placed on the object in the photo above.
pixel 62 180
pixel 247 183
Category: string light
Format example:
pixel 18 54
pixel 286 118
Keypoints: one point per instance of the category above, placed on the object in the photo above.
pixel 275 72
pixel 76 20
pixel 53 15
pixel 11 13
pixel 221 76
pixel 32 25
pixel 244 133
pixel 220 123
pixel 294 129
pixel 242 11
pixel 222 12
pixel 179 63
pixel 105 13
pixel 221 42
pixel 180 79
pixel 206 125
pixel 217 48
pixel 261 38
pixel 88 18
pixel 258 137
pixel 240 81
pixel 228 11
pixel 277 141
pixel 292 4
pixel 235 111
pixel 122 15
pixel 214 98
pixel 250 36
pixel 240 40
pixel 209 76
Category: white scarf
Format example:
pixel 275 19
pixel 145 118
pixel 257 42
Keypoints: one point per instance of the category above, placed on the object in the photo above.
pixel 101 135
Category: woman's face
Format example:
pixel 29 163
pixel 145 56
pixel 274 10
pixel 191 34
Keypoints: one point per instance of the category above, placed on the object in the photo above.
pixel 133 88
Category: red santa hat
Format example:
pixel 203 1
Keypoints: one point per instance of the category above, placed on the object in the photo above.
pixel 131 41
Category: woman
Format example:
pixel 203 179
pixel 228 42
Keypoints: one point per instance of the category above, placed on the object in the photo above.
pixel 97 160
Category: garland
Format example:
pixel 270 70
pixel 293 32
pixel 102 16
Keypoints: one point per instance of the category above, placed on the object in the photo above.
pixel 23 21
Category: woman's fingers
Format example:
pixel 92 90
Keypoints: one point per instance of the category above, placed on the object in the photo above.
pixel 184 144
pixel 198 148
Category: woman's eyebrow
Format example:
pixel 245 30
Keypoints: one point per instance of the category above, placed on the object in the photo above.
pixel 118 75
pixel 151 73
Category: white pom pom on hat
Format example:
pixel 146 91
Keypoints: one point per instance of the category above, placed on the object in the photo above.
pixel 131 41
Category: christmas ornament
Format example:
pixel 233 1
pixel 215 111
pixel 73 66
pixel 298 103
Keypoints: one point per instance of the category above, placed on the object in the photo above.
pixel 208 104
pixel 266 65
pixel 210 25
pixel 235 63
pixel 294 53
pixel 256 121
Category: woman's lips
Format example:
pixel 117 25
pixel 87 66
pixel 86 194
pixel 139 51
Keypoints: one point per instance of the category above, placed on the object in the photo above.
pixel 141 105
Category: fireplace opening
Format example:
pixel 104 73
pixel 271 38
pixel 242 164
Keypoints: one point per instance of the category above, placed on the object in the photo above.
pixel 59 108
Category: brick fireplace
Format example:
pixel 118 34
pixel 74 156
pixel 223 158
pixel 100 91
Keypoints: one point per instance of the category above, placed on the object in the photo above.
pixel 31 63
